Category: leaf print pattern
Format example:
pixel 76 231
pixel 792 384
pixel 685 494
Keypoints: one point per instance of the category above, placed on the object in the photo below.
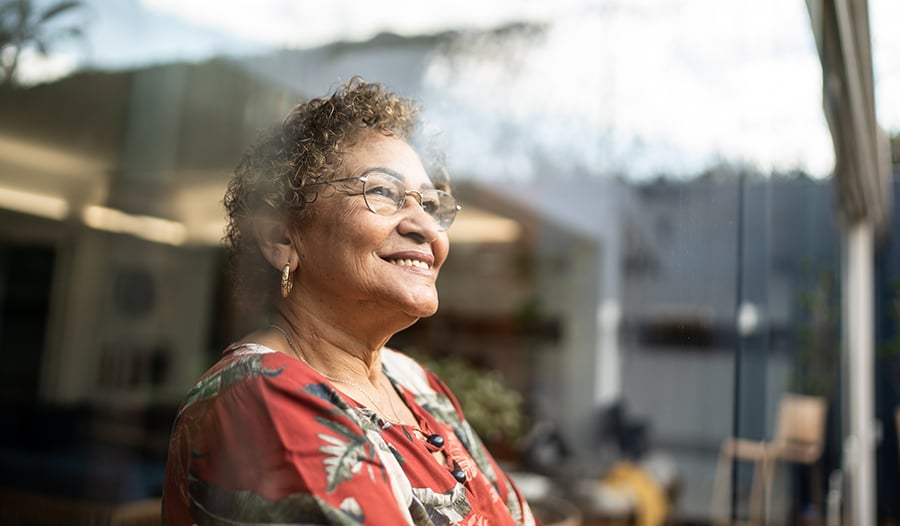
pixel 344 462
pixel 361 417
pixel 477 520
pixel 400 487
pixel 324 459
pixel 349 513
pixel 215 506
pixel 326 393
pixel 514 507
pixel 238 370
pixel 442 408
pixel 351 508
pixel 444 509
pixel 343 458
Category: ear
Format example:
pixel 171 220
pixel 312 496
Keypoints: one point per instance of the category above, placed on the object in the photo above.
pixel 275 241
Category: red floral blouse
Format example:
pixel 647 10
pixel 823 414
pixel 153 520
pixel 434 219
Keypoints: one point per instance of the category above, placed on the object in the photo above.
pixel 264 439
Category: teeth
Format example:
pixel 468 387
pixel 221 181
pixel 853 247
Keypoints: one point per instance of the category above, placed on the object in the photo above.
pixel 409 263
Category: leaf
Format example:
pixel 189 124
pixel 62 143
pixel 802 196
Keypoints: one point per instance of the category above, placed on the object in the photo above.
pixel 6 10
pixel 58 9
pixel 239 370
pixel 343 457
pixel 24 9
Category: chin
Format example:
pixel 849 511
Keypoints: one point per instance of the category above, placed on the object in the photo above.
pixel 421 305
pixel 424 311
pixel 430 313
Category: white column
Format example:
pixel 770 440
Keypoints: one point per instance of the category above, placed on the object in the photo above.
pixel 858 316
pixel 608 374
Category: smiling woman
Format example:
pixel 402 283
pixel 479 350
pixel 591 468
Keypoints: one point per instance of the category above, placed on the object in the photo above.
pixel 337 234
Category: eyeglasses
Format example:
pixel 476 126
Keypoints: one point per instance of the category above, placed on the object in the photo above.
pixel 385 195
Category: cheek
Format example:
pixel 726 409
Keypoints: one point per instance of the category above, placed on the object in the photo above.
pixel 353 232
pixel 441 250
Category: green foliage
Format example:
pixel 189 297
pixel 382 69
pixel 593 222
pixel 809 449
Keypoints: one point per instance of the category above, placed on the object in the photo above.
pixel 818 350
pixel 494 410
pixel 895 148
pixel 23 26
pixel 891 347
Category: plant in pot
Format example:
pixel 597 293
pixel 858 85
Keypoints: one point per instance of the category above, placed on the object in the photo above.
pixel 496 412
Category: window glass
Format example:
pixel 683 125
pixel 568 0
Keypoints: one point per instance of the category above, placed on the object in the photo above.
pixel 647 257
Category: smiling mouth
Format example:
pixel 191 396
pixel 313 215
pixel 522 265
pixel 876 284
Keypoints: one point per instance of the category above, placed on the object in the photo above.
pixel 409 263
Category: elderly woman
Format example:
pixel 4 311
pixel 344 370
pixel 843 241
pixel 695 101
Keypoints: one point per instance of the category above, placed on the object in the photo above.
pixel 337 235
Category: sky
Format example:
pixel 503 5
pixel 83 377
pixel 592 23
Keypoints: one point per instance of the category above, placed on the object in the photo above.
pixel 670 85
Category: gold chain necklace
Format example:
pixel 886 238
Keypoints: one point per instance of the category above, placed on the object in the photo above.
pixel 434 440
pixel 395 420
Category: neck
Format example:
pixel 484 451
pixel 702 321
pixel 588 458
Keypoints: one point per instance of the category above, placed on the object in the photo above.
pixel 331 349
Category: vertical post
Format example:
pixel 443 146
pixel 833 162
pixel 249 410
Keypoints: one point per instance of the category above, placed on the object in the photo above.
pixel 608 369
pixel 739 338
pixel 858 316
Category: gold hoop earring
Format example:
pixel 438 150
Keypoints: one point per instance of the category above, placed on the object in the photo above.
pixel 286 282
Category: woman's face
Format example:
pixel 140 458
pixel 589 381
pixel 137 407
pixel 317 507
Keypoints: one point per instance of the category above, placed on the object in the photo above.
pixel 352 259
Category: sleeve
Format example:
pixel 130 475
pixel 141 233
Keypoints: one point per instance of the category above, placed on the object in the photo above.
pixel 274 448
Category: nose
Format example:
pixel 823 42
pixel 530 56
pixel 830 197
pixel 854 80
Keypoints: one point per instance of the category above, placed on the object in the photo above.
pixel 423 224
pixel 418 197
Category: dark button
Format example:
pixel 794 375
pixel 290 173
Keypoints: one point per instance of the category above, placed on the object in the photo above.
pixel 435 440
pixel 459 475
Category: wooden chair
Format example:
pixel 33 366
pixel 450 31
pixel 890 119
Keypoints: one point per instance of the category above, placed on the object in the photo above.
pixel 799 438
pixel 146 512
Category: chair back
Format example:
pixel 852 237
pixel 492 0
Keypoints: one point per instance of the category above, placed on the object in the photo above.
pixel 800 433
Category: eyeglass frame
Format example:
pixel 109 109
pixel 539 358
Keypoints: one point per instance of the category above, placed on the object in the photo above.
pixel 400 202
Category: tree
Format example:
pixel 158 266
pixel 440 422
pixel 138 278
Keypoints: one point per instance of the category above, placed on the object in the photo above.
pixel 817 362
pixel 24 26
pixel 895 148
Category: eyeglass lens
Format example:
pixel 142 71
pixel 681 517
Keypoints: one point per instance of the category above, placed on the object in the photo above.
pixel 385 195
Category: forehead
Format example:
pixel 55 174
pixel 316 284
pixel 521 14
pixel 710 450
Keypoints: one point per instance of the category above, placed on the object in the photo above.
pixel 395 155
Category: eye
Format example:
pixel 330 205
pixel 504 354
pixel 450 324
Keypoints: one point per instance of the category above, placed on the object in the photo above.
pixel 384 191
pixel 431 204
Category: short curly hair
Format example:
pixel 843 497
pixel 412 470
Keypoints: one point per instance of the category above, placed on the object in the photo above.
pixel 279 170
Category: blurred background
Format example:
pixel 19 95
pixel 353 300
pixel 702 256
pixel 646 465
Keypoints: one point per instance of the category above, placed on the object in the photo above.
pixel 677 255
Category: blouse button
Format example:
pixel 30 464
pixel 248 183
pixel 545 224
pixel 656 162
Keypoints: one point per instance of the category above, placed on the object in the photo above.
pixel 459 475
pixel 435 440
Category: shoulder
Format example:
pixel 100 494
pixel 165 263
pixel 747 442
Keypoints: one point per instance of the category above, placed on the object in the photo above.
pixel 252 375
pixel 238 364
pixel 260 397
